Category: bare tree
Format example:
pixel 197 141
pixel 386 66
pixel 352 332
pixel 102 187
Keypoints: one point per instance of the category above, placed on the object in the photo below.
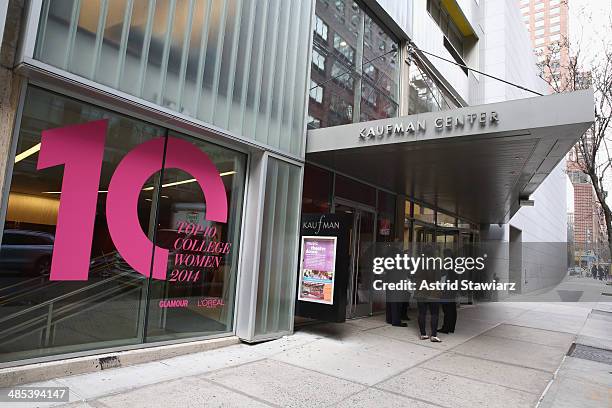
pixel 563 67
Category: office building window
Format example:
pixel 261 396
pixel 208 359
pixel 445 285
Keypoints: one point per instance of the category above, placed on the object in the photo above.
pixel 318 60
pixel 454 40
pixel 313 123
pixel 344 48
pixel 342 76
pixel 320 28
pixel 539 15
pixel 341 111
pixel 316 92
pixel 539 24
pixel 539 32
pixel 555 20
pixel 538 6
pixel 555 28
pixel 361 77
pixel 339 5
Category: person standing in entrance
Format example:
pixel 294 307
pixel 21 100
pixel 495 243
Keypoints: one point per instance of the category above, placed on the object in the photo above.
pixel 449 300
pixel 393 300
pixel 427 299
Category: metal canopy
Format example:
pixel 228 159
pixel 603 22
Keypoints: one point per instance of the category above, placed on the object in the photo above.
pixel 476 162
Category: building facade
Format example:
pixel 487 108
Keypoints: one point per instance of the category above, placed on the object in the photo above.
pixel 548 24
pixel 160 154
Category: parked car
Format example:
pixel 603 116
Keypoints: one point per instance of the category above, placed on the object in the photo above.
pixel 26 252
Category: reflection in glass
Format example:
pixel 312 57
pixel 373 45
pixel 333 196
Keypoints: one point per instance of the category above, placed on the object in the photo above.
pixel 42 317
pixel 202 266
pixel 444 220
pixel 424 214
pixel 355 63
pixel 425 94
pixel 317 190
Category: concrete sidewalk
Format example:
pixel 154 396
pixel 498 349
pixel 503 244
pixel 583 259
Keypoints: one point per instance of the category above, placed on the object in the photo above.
pixel 502 355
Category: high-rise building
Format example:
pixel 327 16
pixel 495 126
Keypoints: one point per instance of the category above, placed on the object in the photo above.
pixel 548 24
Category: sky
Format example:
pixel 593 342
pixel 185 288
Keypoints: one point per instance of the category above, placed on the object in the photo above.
pixel 590 20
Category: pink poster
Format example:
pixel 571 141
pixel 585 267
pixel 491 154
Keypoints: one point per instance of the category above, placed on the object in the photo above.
pixel 317 269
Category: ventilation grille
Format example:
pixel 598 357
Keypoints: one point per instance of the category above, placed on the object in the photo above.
pixel 590 353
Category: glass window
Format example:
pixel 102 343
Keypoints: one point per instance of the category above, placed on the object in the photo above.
pixel 204 276
pixel 538 6
pixel 340 111
pixel 448 28
pixel 318 60
pixel 445 220
pixel 555 29
pixel 317 189
pixel 342 76
pixel 313 123
pixel 353 190
pixel 316 91
pixel 107 309
pixel 423 213
pixel 539 23
pixel 555 20
pixel 386 217
pixel 344 48
pixel 539 32
pixel 365 74
pixel 320 28
pixel 426 94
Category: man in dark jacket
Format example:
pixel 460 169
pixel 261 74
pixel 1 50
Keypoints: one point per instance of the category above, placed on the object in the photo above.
pixel 449 300
pixel 594 271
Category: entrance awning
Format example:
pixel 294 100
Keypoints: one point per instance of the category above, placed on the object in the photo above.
pixel 476 162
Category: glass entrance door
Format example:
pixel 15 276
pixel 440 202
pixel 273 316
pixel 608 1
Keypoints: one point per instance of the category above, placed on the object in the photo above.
pixel 361 251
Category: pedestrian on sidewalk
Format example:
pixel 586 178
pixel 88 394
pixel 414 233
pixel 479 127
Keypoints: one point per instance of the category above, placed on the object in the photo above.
pixel 394 301
pixel 428 299
pixel 594 271
pixel 449 299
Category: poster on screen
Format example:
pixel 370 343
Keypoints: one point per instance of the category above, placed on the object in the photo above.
pixel 317 269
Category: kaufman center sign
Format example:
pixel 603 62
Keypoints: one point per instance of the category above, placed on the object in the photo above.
pixel 440 123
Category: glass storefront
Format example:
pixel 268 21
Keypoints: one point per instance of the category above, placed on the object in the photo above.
pixel 193 235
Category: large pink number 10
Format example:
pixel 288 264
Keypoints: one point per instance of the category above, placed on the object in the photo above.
pixel 80 148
